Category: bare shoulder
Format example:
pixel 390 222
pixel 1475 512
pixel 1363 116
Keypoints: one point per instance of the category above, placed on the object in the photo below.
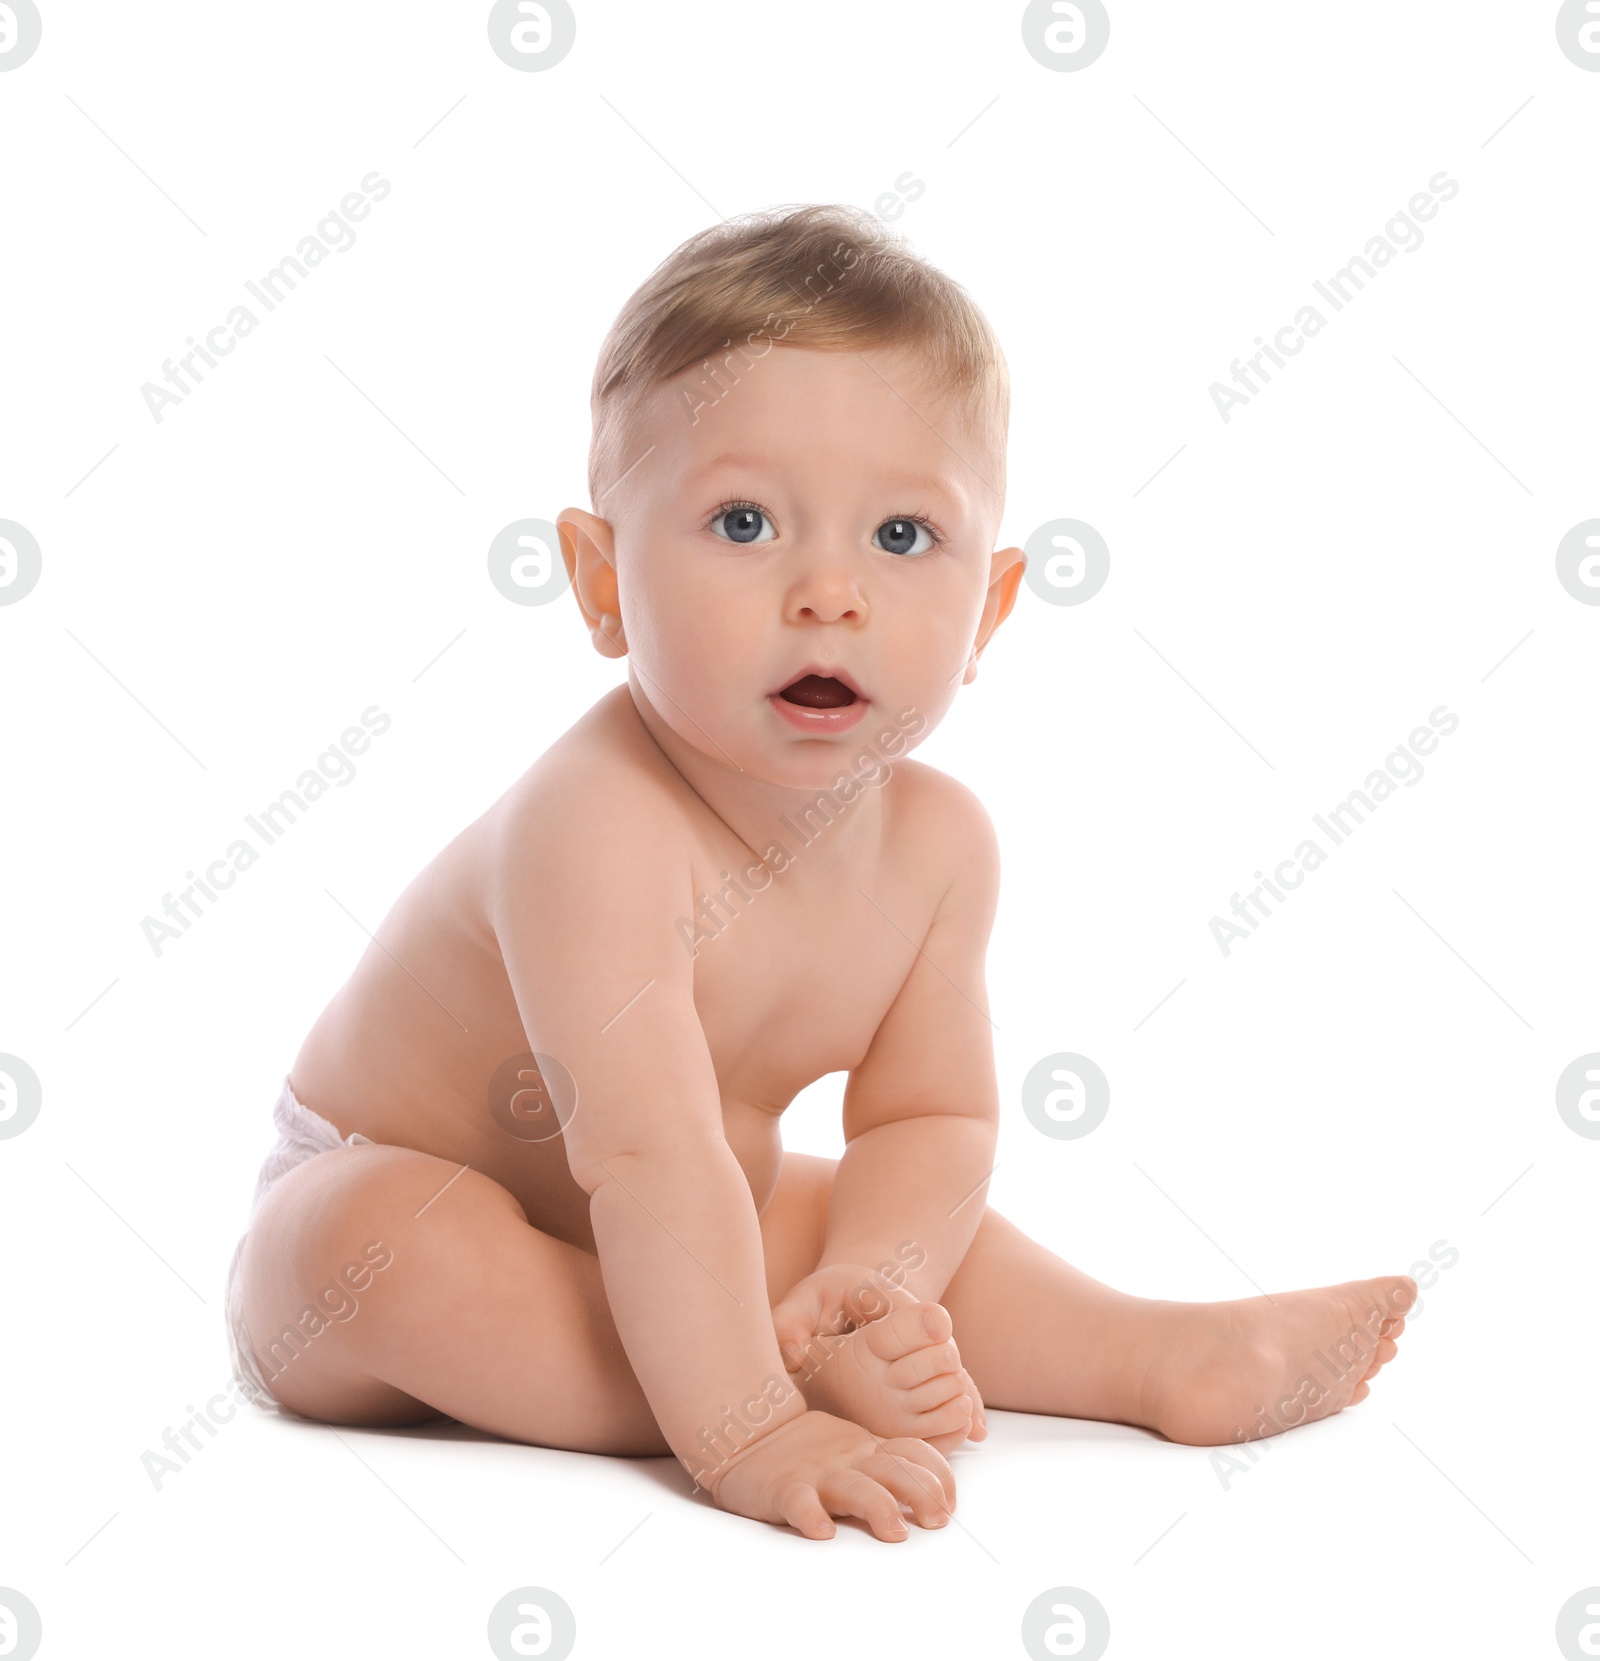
pixel 949 832
pixel 600 792
pixel 586 874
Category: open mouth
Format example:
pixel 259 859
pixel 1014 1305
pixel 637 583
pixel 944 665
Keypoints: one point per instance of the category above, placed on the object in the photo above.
pixel 818 692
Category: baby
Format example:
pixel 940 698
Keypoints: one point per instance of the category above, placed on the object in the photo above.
pixel 530 1173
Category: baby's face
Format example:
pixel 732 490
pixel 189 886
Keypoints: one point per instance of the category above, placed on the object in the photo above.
pixel 823 514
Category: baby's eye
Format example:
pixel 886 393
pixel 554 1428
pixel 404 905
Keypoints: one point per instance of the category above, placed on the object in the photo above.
pixel 741 522
pixel 900 537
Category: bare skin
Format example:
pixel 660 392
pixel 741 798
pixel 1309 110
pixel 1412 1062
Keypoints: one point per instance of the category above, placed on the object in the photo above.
pixel 622 1275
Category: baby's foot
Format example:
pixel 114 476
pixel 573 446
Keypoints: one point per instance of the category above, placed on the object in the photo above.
pixel 1254 1367
pixel 900 1375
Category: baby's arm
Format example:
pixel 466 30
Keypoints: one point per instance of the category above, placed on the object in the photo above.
pixel 921 1111
pixel 583 915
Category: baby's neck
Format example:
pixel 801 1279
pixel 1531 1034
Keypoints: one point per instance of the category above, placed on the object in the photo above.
pixel 836 823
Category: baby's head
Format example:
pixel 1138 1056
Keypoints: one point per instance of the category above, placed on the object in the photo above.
pixel 797 464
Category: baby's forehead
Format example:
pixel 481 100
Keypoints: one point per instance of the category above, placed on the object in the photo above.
pixel 882 413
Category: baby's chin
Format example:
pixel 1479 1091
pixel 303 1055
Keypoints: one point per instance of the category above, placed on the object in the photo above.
pixel 790 763
pixel 845 772
pixel 858 759
pixel 807 765
pixel 847 768
pixel 764 746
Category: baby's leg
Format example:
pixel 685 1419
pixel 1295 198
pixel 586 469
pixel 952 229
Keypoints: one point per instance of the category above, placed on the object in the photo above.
pixel 898 1375
pixel 1039 1336
pixel 891 1376
pixel 477 1315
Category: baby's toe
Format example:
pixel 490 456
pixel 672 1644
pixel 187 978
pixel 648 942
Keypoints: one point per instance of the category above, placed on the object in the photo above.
pixel 1386 1351
pixel 936 1392
pixel 937 1361
pixel 945 1427
pixel 1393 1294
pixel 980 1424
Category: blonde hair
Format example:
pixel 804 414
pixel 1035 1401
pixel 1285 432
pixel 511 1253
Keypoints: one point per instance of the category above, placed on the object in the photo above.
pixel 826 276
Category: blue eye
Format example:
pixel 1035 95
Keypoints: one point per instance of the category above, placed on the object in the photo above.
pixel 901 537
pixel 745 522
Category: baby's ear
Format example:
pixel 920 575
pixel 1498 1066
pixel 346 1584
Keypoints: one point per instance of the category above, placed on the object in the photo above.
pixel 588 551
pixel 1005 578
pixel 608 637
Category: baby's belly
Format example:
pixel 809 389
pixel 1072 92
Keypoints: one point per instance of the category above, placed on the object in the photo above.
pixel 538 1177
pixel 393 1063
pixel 428 1108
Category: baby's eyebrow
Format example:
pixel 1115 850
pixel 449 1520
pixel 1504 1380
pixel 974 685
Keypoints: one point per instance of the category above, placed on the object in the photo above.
pixel 754 464
pixel 930 484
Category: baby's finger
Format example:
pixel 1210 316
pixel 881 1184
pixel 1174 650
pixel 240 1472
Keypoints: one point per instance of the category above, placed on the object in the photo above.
pixel 912 1485
pixel 801 1509
pixel 855 1494
pixel 792 1326
pixel 868 1305
pixel 918 1453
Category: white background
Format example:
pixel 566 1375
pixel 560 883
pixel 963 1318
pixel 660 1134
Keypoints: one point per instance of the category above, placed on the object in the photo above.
pixel 1371 1072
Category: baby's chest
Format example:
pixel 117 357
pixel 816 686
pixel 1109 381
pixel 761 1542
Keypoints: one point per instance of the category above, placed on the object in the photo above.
pixel 793 989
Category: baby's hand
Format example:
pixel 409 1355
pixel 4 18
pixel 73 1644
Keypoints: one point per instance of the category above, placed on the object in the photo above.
pixel 900 1375
pixel 816 1467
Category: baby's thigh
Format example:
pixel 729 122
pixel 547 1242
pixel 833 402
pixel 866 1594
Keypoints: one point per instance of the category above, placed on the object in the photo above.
pixel 380 1285
pixel 320 1263
pixel 795 1222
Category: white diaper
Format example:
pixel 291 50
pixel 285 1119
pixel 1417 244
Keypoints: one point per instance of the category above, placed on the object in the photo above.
pixel 302 1135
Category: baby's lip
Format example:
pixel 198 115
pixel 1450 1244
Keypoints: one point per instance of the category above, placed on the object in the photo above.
pixel 827 672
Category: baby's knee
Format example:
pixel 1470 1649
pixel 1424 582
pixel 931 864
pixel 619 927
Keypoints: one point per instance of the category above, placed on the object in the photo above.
pixel 351 1192
pixel 357 1230
pixel 331 1229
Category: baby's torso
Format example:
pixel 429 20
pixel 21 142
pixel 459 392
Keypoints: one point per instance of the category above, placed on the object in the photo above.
pixel 793 971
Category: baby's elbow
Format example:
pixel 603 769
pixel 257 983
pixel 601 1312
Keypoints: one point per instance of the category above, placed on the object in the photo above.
pixel 663 1165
